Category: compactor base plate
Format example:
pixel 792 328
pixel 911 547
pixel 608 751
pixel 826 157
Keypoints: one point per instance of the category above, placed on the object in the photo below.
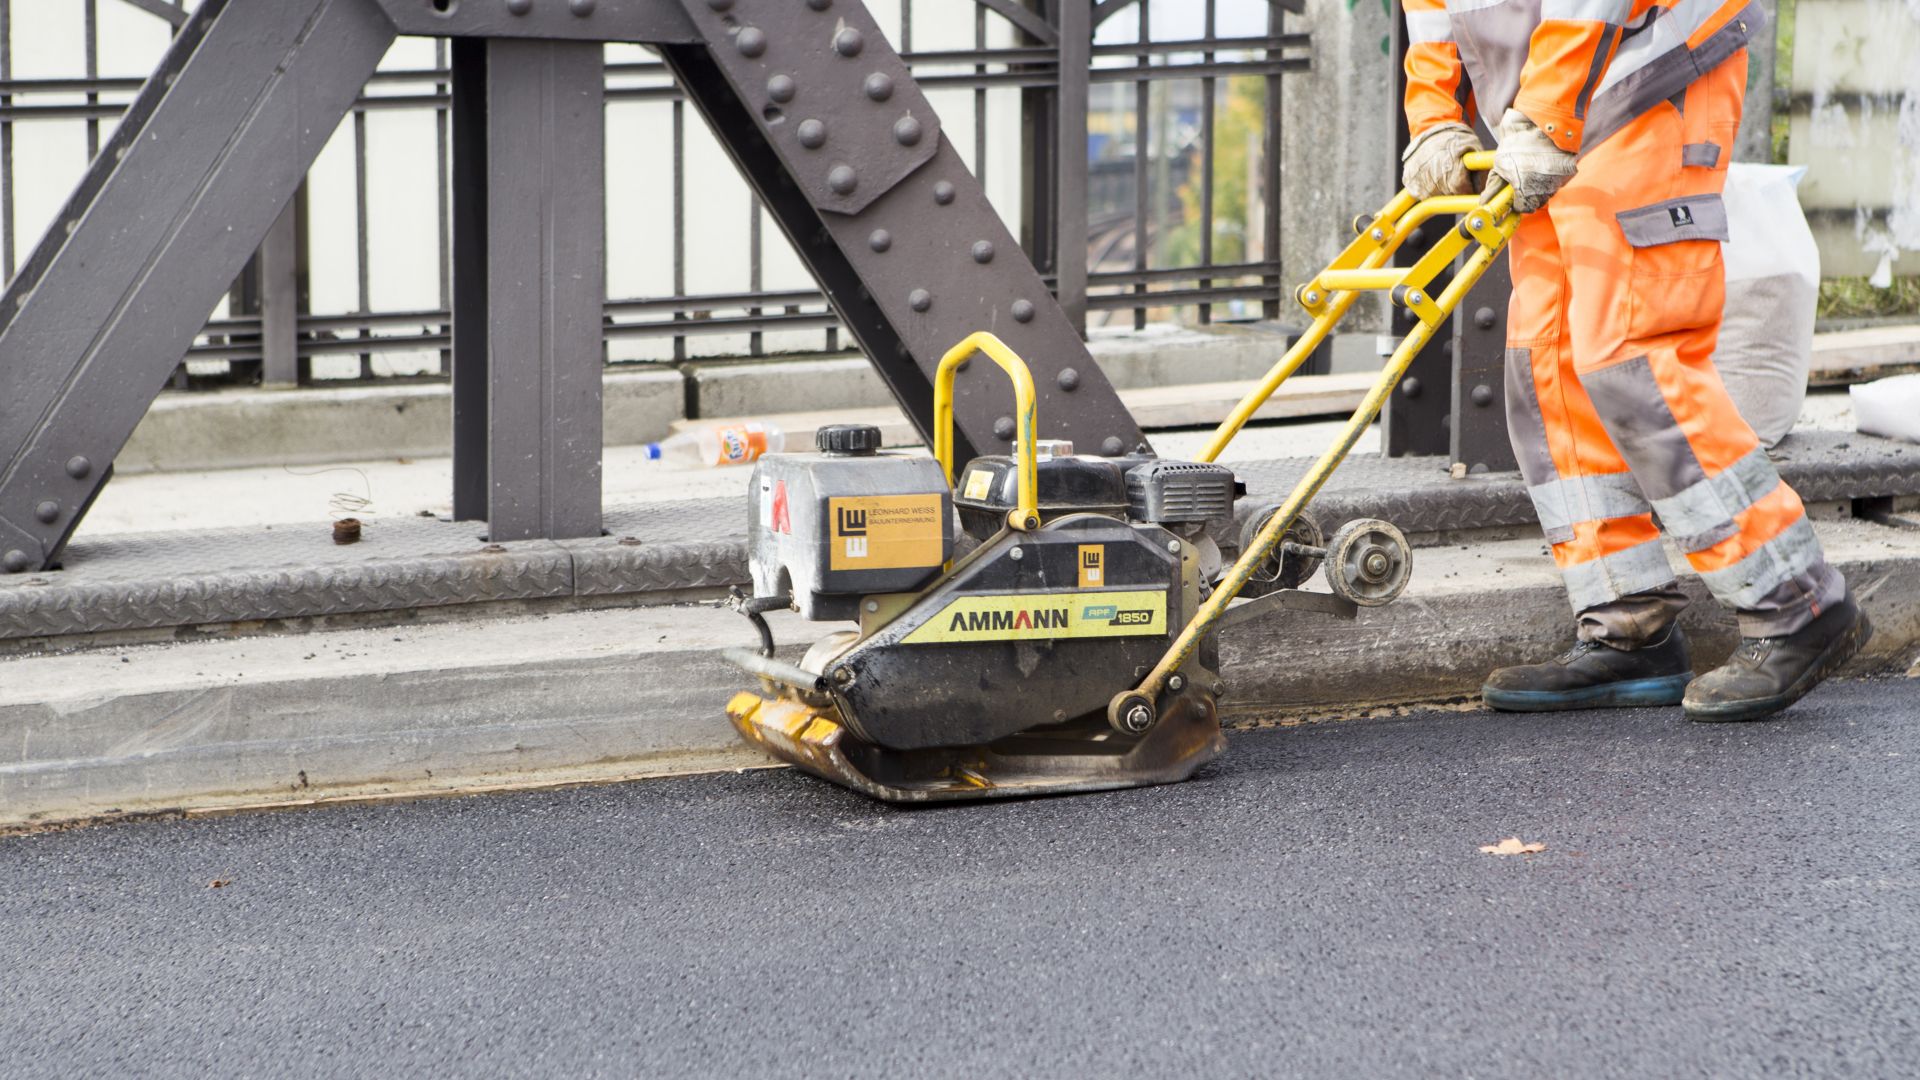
pixel 1086 755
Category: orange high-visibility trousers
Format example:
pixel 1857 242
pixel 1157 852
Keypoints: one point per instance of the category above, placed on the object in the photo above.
pixel 1614 407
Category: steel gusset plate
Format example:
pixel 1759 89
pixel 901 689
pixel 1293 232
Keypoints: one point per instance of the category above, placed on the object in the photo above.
pixel 836 102
pixel 897 206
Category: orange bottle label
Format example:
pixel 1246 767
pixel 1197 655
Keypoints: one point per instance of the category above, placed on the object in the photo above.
pixel 739 445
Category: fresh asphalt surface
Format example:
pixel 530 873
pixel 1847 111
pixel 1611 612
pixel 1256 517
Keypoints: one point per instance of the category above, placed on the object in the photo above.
pixel 1713 900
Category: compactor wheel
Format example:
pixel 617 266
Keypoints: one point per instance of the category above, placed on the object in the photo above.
pixel 1369 562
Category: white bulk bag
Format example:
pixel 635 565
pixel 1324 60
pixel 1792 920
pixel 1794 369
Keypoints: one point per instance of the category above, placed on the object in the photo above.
pixel 1889 407
pixel 1773 287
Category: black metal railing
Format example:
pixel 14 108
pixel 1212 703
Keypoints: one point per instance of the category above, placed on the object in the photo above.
pixel 1130 228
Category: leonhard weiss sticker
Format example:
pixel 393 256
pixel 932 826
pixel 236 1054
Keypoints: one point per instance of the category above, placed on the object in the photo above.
pixel 1045 617
pixel 883 532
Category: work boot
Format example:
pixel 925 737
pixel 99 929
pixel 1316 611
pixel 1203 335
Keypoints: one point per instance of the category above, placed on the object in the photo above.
pixel 1765 675
pixel 1592 676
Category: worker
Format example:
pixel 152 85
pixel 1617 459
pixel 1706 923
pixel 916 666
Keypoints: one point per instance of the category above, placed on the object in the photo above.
pixel 1614 121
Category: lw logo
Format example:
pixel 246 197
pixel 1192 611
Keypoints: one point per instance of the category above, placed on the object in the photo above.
pixel 852 525
pixel 1093 565
pixel 1682 217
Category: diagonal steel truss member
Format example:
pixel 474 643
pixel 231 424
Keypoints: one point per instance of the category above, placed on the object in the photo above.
pixel 808 97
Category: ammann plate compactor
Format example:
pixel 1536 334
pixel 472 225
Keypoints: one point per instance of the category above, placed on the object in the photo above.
pixel 1047 621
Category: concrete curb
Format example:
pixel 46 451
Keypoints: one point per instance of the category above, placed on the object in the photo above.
pixel 618 694
pixel 320 425
pixel 235 429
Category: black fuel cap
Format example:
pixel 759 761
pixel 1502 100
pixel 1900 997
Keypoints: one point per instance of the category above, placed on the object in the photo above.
pixel 852 439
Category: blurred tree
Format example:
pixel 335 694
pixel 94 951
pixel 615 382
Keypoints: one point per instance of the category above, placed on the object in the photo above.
pixel 1239 113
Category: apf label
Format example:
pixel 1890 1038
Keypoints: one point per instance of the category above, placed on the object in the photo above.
pixel 1045 617
pixel 883 532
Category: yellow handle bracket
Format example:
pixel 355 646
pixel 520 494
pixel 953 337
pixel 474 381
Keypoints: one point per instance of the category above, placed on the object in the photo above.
pixel 1026 513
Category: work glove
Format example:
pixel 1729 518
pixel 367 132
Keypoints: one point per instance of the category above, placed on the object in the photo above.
pixel 1532 164
pixel 1432 166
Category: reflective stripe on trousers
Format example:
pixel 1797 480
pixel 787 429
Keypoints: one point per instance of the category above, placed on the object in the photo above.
pixel 1610 380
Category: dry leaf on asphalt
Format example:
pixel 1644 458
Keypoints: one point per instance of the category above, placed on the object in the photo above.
pixel 223 882
pixel 1512 846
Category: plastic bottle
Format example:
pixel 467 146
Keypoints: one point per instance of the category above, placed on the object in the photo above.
pixel 720 444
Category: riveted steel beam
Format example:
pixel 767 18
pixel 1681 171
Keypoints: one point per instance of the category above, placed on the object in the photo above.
pixel 648 21
pixel 1477 436
pixel 199 168
pixel 822 118
pixel 545 287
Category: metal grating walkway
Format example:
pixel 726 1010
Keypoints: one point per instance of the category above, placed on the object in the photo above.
pixel 243 575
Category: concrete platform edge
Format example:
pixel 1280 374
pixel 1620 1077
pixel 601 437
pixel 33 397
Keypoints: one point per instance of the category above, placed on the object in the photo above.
pixel 631 706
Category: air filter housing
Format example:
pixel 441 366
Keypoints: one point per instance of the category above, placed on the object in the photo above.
pixel 1178 492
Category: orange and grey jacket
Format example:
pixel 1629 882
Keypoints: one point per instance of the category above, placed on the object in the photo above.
pixel 1580 69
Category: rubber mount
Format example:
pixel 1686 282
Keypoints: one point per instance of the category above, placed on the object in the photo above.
pixel 1369 562
pixel 1131 714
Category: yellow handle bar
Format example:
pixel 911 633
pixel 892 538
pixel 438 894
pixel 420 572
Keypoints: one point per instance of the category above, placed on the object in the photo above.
pixel 1490 223
pixel 1026 514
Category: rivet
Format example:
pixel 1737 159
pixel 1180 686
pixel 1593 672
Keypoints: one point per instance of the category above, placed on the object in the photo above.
pixel 15 561
pixel 1476 223
pixel 1413 299
pixel 1313 297
pixel 1483 318
pixel 1173 546
pixel 580 8
pixel 879 86
pixel 1410 386
pixel 519 7
pixel 1022 311
pixel 842 180
pixel 872 606
pixel 1482 395
pixel 1068 379
pixel 751 41
pixel 880 240
pixel 848 42
pixel 781 87
pixel 1016 554
pixel 79 467
pixel 943 192
pixel 920 300
pixel 1003 428
pixel 1377 236
pixel 812 134
pixel 906 131
pixel 1549 128
pixel 47 512
pixel 1112 446
pixel 982 251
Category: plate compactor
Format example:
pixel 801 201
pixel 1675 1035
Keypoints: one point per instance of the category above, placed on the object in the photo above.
pixel 1047 621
